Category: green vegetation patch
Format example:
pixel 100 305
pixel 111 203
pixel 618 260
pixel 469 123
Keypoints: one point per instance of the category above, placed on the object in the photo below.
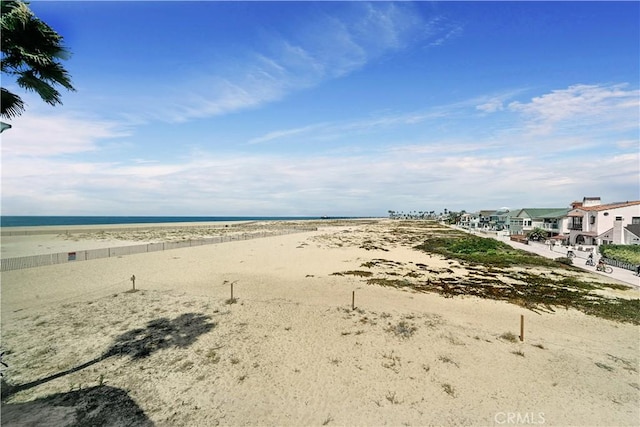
pixel 619 309
pixel 482 251
pixel 623 253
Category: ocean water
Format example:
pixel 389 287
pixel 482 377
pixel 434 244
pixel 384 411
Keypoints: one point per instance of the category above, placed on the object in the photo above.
pixel 30 221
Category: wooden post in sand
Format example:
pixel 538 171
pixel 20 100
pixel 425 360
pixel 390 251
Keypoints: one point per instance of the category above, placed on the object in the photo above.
pixel 231 291
pixel 133 280
pixel 353 300
pixel 522 327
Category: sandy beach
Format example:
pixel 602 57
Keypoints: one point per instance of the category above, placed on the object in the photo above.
pixel 307 339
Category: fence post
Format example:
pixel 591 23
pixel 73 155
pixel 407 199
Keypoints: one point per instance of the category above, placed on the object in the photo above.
pixel 522 327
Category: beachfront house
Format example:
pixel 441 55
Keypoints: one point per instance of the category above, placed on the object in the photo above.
pixel 469 221
pixel 552 220
pixel 484 219
pixel 500 220
pixel 592 223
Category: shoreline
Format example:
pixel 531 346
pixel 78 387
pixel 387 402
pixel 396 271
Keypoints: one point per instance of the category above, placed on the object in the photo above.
pixel 86 228
pixel 143 222
pixel 90 228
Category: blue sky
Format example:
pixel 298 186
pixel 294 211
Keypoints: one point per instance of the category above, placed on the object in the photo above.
pixel 330 108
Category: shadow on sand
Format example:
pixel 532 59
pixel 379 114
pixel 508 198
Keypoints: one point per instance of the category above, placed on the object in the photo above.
pixel 137 344
pixel 94 406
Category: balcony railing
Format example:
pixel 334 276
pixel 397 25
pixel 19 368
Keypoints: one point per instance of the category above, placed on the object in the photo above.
pixel 575 227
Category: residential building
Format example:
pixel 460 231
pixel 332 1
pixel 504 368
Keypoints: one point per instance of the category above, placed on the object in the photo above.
pixel 484 219
pixel 552 220
pixel 469 221
pixel 500 220
pixel 591 222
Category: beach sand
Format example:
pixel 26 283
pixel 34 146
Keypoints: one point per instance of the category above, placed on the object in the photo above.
pixel 290 350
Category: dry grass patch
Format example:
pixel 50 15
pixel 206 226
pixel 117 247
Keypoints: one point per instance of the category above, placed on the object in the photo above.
pixel 402 329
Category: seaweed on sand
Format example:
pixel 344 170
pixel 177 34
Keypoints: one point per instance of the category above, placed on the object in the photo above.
pixel 537 295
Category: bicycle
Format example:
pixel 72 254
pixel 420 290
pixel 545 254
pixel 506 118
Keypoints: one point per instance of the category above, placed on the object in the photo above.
pixel 590 262
pixel 604 268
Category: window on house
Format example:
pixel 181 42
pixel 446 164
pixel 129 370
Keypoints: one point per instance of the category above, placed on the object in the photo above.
pixel 618 218
pixel 635 220
pixel 592 220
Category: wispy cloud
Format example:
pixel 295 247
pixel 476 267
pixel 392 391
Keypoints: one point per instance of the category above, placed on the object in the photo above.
pixel 43 135
pixel 491 106
pixel 279 134
pixel 330 45
pixel 608 107
pixel 576 115
pixel 372 124
pixel 444 30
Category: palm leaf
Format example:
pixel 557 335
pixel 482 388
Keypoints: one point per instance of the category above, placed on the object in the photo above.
pixel 11 105
pixel 31 50
pixel 47 92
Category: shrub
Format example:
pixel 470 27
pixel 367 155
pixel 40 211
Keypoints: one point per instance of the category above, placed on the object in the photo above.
pixel 402 329
pixel 481 250
pixel 564 260
pixel 537 234
pixel 623 253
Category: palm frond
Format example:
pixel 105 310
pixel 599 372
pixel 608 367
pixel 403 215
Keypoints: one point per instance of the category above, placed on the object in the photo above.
pixel 31 50
pixel 11 105
pixel 46 91
pixel 53 72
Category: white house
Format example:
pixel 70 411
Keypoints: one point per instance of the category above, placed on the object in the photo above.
pixel 593 223
pixel 469 221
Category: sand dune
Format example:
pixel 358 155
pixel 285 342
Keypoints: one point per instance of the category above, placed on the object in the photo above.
pixel 290 350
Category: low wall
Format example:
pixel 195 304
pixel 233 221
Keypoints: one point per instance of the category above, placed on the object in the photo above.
pixel 86 255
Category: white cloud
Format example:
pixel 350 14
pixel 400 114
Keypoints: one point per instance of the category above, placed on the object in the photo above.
pixel 286 133
pixel 615 107
pixel 35 134
pixel 491 106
